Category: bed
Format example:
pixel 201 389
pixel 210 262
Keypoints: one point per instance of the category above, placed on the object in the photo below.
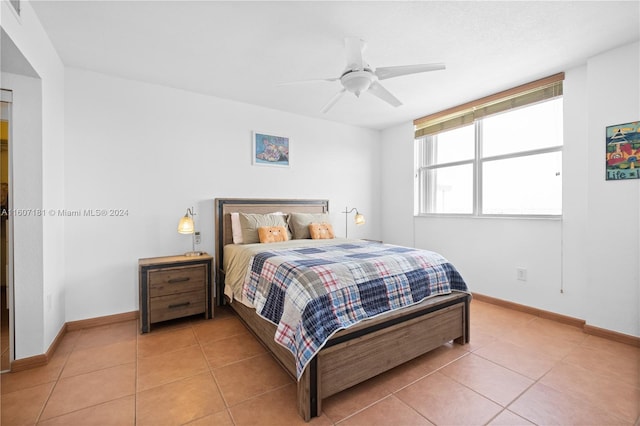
pixel 350 355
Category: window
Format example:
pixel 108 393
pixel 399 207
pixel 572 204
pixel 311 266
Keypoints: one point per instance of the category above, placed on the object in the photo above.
pixel 488 160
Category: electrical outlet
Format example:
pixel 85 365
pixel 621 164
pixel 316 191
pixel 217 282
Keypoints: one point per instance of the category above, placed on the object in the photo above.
pixel 198 239
pixel 521 274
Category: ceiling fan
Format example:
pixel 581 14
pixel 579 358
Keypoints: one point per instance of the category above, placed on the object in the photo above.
pixel 359 77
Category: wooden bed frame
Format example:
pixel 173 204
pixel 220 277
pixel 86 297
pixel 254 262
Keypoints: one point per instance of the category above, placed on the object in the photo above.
pixel 360 352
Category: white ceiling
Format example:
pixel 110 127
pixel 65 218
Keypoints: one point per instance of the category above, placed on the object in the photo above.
pixel 242 50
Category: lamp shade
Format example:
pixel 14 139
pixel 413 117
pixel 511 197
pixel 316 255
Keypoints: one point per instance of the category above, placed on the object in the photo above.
pixel 359 219
pixel 185 226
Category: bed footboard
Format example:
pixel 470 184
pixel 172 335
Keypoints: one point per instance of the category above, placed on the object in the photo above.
pixel 353 357
pixel 368 348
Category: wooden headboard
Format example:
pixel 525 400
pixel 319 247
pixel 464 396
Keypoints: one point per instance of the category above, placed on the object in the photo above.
pixel 225 206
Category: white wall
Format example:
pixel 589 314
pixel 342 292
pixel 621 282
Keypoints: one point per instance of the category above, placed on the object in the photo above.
pixel 613 87
pixel 599 273
pixel 38 138
pixel 155 151
pixel 397 185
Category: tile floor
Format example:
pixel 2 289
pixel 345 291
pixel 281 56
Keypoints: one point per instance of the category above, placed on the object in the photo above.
pixel 518 370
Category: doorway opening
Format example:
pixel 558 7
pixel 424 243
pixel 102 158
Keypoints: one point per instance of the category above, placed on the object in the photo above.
pixel 6 319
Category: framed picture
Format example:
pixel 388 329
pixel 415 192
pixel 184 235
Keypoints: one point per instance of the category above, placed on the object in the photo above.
pixel 270 150
pixel 623 151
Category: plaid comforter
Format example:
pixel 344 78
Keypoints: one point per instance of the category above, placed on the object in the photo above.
pixel 310 293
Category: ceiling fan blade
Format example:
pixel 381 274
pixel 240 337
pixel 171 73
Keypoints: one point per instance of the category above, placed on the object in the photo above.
pixel 378 90
pixel 355 47
pixel 389 72
pixel 314 80
pixel 332 101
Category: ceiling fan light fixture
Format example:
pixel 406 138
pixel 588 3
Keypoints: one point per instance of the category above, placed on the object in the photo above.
pixel 357 81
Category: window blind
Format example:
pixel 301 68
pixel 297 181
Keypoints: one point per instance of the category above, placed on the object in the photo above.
pixel 462 115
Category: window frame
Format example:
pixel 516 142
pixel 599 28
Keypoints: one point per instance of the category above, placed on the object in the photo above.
pixel 425 199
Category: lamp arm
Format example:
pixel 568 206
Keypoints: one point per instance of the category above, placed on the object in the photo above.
pixel 346 219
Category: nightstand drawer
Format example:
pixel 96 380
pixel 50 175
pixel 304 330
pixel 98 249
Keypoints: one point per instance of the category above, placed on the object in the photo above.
pixel 176 280
pixel 177 306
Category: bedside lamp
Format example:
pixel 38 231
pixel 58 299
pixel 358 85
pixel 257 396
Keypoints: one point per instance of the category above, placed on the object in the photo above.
pixel 359 219
pixel 188 226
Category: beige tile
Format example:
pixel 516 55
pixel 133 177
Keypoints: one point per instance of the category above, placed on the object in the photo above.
pixel 443 401
pixel 479 339
pixel 600 390
pixel 614 348
pixel 389 411
pixel 99 357
pixel 276 407
pixel 232 349
pixel 168 367
pixel 107 334
pixel 556 330
pixel 348 402
pixel 618 362
pixel 11 382
pixel 169 325
pixel 546 406
pixel 119 412
pixel 537 342
pixel 495 320
pixel 223 418
pixel 84 390
pixel 407 373
pixel 68 342
pixel 488 379
pixel 597 381
pixel 216 329
pixel 531 364
pixel 23 407
pixel 156 343
pixel 507 418
pixel 249 378
pixel 444 355
pixel 179 402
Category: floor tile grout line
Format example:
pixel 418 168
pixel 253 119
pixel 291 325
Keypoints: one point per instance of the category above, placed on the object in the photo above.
pixel 213 376
pixel 59 377
pixel 539 381
pixel 428 373
pixel 557 362
pixel 57 380
pixel 364 408
pixel 215 381
pixel 504 407
pixel 597 404
pixel 84 408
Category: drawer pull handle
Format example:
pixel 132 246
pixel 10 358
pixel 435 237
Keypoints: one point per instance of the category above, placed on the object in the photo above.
pixel 179 305
pixel 178 280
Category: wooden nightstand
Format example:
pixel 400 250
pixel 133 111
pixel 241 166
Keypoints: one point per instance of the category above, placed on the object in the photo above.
pixel 174 287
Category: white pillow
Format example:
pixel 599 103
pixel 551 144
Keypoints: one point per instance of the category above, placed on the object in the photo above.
pixel 236 228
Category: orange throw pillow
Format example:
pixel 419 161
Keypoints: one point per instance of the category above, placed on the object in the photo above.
pixel 272 234
pixel 321 231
